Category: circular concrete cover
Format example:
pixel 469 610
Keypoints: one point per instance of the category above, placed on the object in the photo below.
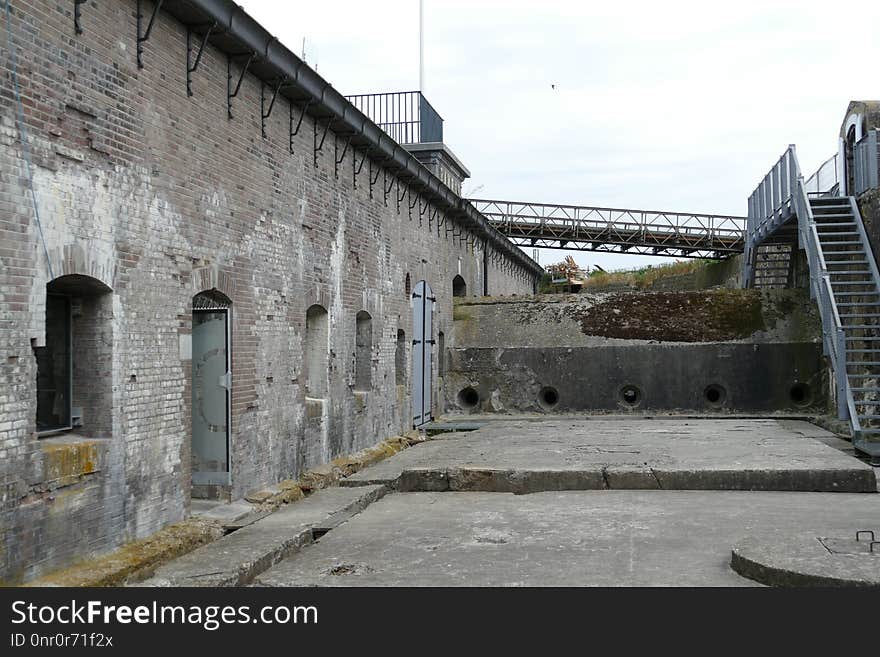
pixel 809 560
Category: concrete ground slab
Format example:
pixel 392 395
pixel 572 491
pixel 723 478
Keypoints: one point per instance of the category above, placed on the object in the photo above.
pixel 523 456
pixel 236 558
pixel 575 538
pixel 807 559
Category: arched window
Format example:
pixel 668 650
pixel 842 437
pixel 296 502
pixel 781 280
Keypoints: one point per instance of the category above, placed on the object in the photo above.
pixel 316 351
pixel 400 358
pixel 74 367
pixel 459 287
pixel 363 355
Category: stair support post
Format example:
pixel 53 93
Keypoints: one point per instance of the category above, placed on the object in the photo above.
pixel 840 373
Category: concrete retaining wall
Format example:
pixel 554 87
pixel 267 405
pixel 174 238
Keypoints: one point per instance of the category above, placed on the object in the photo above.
pixel 543 354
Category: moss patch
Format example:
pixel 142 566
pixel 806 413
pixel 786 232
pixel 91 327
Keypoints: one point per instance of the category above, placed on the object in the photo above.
pixel 138 559
pixel 710 316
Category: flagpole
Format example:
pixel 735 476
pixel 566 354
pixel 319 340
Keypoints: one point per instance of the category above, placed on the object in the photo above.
pixel 422 45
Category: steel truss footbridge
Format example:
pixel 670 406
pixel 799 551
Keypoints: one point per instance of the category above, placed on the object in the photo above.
pixel 616 230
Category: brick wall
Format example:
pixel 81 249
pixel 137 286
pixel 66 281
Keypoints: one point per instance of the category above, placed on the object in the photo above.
pixel 159 196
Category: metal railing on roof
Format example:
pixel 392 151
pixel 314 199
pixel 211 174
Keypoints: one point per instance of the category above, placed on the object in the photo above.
pixel 406 116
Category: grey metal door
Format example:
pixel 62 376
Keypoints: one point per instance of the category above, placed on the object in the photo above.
pixel 210 397
pixel 423 350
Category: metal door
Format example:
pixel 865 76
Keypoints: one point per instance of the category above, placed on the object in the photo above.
pixel 210 396
pixel 423 350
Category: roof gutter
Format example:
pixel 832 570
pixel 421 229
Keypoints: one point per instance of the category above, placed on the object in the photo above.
pixel 233 20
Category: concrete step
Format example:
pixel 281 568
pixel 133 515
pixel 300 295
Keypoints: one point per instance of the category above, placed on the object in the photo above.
pixel 237 558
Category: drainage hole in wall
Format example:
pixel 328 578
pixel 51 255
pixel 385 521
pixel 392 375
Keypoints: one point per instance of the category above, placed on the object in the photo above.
pixel 715 394
pixel 800 394
pixel 548 397
pixel 468 397
pixel 630 395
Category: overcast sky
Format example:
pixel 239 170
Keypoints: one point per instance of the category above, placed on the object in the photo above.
pixel 672 105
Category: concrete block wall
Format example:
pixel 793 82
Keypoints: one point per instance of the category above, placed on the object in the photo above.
pixel 540 355
pixel 159 196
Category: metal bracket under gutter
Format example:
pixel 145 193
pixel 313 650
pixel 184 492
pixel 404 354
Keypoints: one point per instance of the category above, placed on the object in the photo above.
pixel 143 36
pixel 327 104
pixel 191 65
pixel 77 14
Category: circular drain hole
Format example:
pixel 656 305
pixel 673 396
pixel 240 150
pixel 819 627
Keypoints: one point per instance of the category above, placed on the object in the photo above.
pixel 630 395
pixel 715 394
pixel 468 397
pixel 800 394
pixel 548 397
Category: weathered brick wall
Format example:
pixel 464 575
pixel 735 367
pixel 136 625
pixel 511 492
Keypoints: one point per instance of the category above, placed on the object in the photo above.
pixel 160 196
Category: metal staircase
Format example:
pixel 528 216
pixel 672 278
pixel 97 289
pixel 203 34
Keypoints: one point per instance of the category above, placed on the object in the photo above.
pixel 844 282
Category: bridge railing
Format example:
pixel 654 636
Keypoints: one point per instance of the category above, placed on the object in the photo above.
pixel 780 195
pixel 651 227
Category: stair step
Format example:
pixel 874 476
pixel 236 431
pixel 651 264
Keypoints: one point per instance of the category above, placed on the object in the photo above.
pixel 863 376
pixel 865 389
pixel 856 294
pixel 846 262
pixel 824 241
pixel 859 315
pixel 862 363
pixel 863 351
pixel 833 283
pixel 856 303
pixel 860 272
pixel 844 253
pixel 835 224
pixel 861 338
pixel 861 326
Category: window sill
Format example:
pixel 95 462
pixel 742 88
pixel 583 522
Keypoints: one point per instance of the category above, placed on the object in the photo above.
pixel 68 458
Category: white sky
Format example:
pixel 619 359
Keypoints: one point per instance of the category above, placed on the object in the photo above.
pixel 671 105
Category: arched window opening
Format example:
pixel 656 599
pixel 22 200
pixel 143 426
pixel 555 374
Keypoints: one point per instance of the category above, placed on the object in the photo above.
pixel 74 367
pixel 316 351
pixel 459 287
pixel 363 351
pixel 400 359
